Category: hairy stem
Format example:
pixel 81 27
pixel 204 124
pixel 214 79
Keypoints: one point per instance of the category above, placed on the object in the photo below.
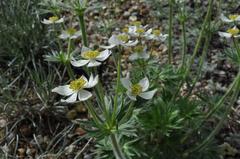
pixel 170 56
pixel 116 148
pixel 83 28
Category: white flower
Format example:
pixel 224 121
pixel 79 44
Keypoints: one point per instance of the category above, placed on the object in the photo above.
pixel 121 39
pixel 91 58
pixel 70 33
pixel 233 32
pixel 75 90
pixel 136 31
pixel 139 52
pixel 155 34
pixel 52 20
pixel 139 89
pixel 230 18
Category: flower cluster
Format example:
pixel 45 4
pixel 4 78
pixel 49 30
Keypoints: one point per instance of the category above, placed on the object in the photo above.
pixel 132 36
pixel 232 32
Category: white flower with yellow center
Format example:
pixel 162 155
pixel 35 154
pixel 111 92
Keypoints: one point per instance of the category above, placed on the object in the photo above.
pixel 230 18
pixel 136 31
pixel 232 32
pixel 75 90
pixel 120 40
pixel 70 33
pixel 139 52
pixel 91 58
pixel 139 89
pixel 53 20
pixel 155 34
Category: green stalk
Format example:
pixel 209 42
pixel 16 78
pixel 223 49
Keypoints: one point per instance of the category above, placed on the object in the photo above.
pixel 170 56
pixel 116 148
pixel 207 17
pixel 68 65
pixel 199 41
pixel 184 47
pixel 83 27
pixel 221 122
pixel 117 86
pixel 199 70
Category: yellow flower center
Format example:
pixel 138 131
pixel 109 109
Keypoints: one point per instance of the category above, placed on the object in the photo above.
pixel 136 89
pixel 138 49
pixel 90 54
pixel 123 37
pixel 140 30
pixel 71 31
pixel 77 84
pixel 233 16
pixel 233 31
pixel 53 18
pixel 136 23
pixel 156 32
pixel 125 30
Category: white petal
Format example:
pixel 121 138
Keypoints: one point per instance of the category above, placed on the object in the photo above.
pixel 103 55
pixel 60 20
pixel 225 19
pixel 84 95
pixel 92 81
pixel 63 90
pixel 45 21
pixel 84 49
pixel 64 35
pixel 238 18
pixel 114 40
pixel 133 56
pixel 144 83
pixel 131 96
pixel 71 99
pixel 144 55
pixel 93 63
pixel 126 83
pixel 108 47
pixel 163 37
pixel 226 35
pixel 131 43
pixel 79 63
pixel 148 95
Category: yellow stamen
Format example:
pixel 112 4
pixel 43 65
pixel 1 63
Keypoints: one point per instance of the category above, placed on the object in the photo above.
pixel 53 19
pixel 233 16
pixel 136 89
pixel 123 37
pixel 156 32
pixel 125 30
pixel 136 23
pixel 91 54
pixel 138 49
pixel 77 84
pixel 71 31
pixel 233 31
pixel 140 30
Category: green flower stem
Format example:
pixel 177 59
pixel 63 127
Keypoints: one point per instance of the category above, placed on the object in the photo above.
pixel 216 106
pixel 170 30
pixel 184 47
pixel 221 122
pixel 96 118
pixel 237 47
pixel 117 87
pixel 116 148
pixel 204 53
pixel 55 33
pixel 68 65
pixel 83 28
pixel 128 113
pixel 199 41
pixel 206 20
